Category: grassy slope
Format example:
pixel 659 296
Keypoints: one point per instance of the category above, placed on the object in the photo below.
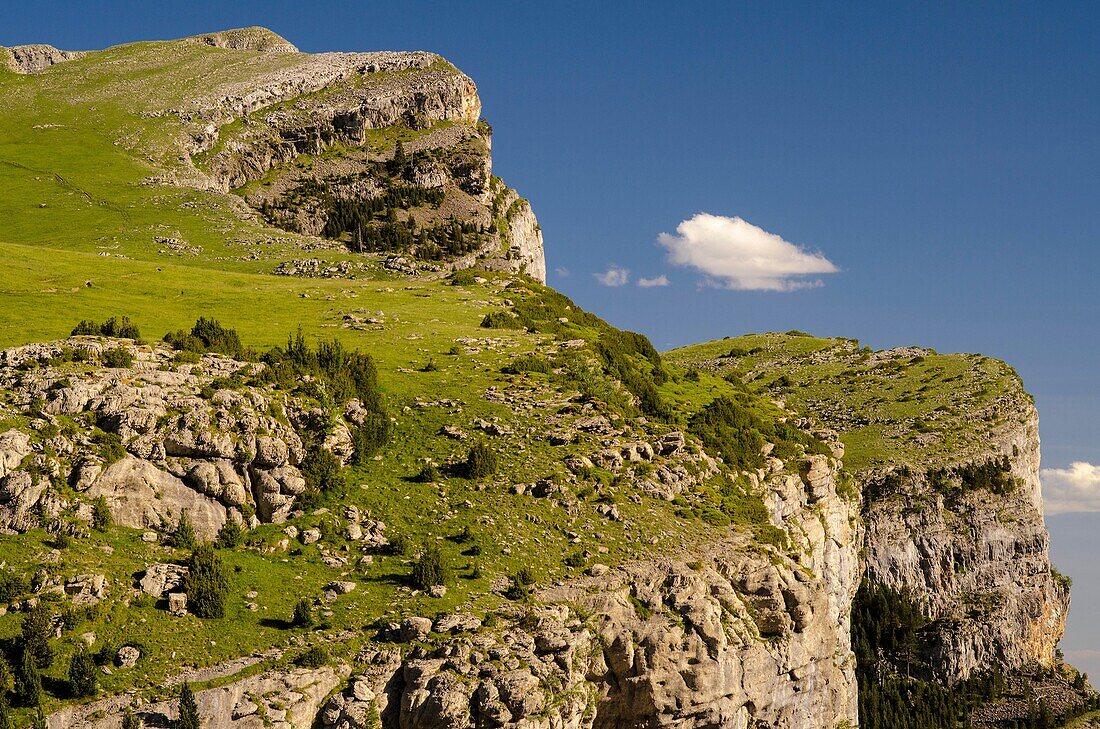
pixel 76 238
pixel 887 408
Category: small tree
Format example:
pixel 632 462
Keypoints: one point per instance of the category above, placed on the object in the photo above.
pixel 28 682
pixel 130 720
pixel 83 674
pixel 207 583
pixel 5 714
pixel 429 570
pixel 37 629
pixel 101 514
pixel 303 614
pixel 481 462
pixel 189 710
pixel 231 534
pixel 183 537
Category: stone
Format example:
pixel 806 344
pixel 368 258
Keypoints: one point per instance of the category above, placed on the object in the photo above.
pixel 415 628
pixel 177 603
pixel 311 536
pixel 437 591
pixel 128 656
pixel 342 587
pixel 162 578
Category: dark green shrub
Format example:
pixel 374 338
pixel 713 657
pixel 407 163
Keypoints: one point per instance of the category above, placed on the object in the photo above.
pixel 369 437
pixel 189 710
pixel 315 657
pixel 110 447
pixel 400 544
pixel 5 713
pixel 465 277
pixel 324 473
pixel 28 681
pixel 117 358
pixel 207 583
pixel 517 590
pixel 526 576
pixel 429 474
pixel 37 630
pixel 119 328
pixel 481 462
pixel 183 536
pixel 101 514
pixel 428 570
pixel 303 614
pixel 12 585
pixel 230 535
pixel 207 335
pixel 130 720
pixel 528 363
pixel 83 674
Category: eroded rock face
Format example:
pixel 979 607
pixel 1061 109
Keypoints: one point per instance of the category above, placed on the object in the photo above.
pixel 739 637
pixel 977 560
pixel 36 57
pixel 180 443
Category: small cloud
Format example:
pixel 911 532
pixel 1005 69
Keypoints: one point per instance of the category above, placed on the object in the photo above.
pixel 648 283
pixel 1067 490
pixel 614 276
pixel 742 256
pixel 562 271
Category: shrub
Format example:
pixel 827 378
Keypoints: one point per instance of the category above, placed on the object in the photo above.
pixel 189 710
pixel 324 473
pixel 517 590
pixel 101 514
pixel 303 614
pixel 315 657
pixel 130 720
pixel 207 335
pixel 83 674
pixel 207 583
pixel 429 570
pixel 12 585
pixel 37 630
pixel 369 437
pixel 481 462
pixel 230 535
pixel 5 714
pixel 528 363
pixel 110 446
pixel 428 474
pixel 400 544
pixel 526 576
pixel 183 536
pixel 117 358
pixel 465 277
pixel 28 681
pixel 120 328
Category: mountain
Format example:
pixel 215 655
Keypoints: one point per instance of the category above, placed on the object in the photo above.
pixel 441 494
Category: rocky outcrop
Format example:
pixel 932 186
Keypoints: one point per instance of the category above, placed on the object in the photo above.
pixel 278 699
pixel 155 439
pixel 247 39
pixel 977 560
pixel 738 636
pixel 36 57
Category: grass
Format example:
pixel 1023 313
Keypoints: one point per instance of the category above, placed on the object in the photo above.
pixel 899 408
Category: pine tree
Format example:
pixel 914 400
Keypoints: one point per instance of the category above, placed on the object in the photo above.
pixel 28 682
pixel 207 583
pixel 37 629
pixel 184 535
pixel 101 514
pixel 231 534
pixel 83 675
pixel 189 710
pixel 303 614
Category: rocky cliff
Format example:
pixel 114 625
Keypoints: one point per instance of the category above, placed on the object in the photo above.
pixel 36 57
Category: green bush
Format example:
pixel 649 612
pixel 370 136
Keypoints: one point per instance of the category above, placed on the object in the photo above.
pixel 528 363
pixel 119 328
pixel 207 335
pixel 429 570
pixel 206 583
pixel 230 535
pixel 369 437
pixel 188 710
pixel 481 462
pixel 183 536
pixel 324 473
pixel 303 614
pixel 101 514
pixel 110 447
pixel 28 681
pixel 118 358
pixel 12 585
pixel 465 277
pixel 37 629
pixel 315 657
pixel 83 674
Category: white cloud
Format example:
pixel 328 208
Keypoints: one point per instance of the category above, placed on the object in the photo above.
pixel 562 271
pixel 743 256
pixel 1076 488
pixel 648 283
pixel 614 276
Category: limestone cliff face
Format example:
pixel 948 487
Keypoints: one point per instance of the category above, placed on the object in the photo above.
pixel 736 636
pixel 36 57
pixel 978 560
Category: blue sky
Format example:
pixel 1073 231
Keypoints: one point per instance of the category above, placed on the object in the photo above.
pixel 944 157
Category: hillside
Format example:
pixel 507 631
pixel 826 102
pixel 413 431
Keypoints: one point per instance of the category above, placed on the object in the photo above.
pixel 282 299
